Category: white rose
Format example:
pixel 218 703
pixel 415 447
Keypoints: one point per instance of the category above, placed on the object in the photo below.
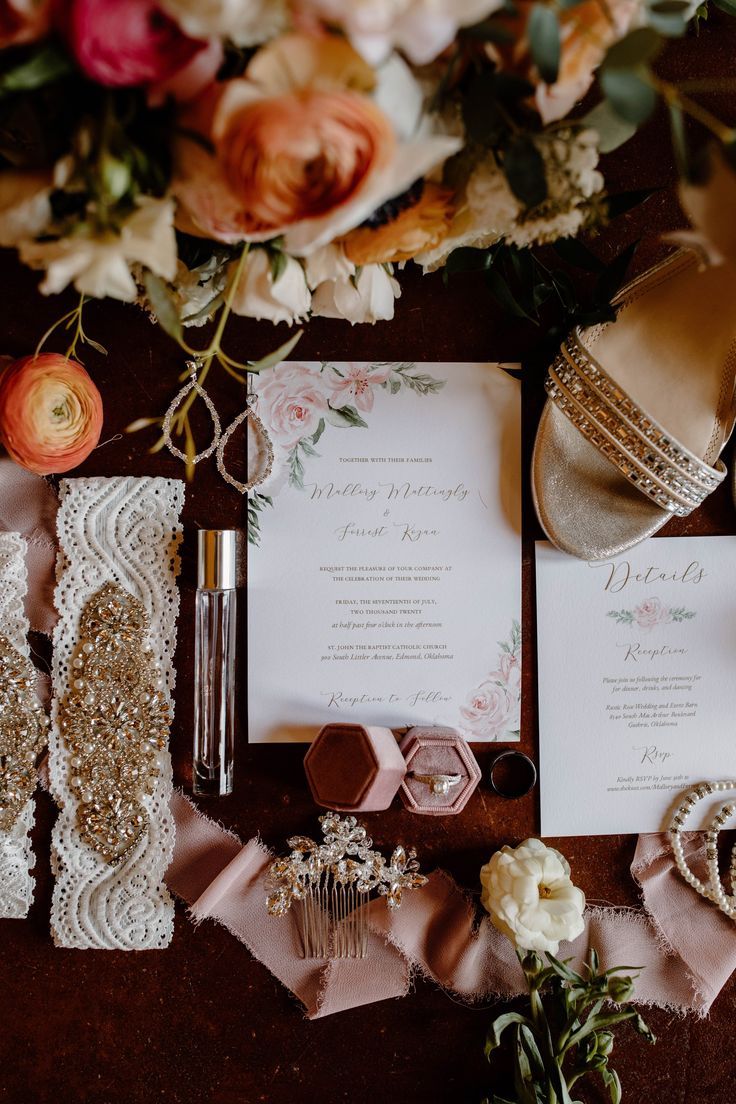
pixel 100 267
pixel 327 263
pixel 246 22
pixel 368 297
pixel 25 210
pixel 258 295
pixel 530 897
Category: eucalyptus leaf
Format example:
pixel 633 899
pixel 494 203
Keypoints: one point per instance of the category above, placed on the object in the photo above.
pixel 728 6
pixel 669 17
pixel 164 305
pixel 629 93
pixel 544 41
pixel 612 130
pixel 637 48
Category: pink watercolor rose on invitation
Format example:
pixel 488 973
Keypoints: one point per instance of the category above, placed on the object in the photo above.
pixel 355 385
pixel 650 613
pixel 491 711
pixel 292 403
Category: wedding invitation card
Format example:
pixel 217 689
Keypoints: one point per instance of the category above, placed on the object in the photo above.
pixel 386 585
pixel 637 681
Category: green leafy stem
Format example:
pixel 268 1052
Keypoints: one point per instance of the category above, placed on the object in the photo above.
pixel 567 1033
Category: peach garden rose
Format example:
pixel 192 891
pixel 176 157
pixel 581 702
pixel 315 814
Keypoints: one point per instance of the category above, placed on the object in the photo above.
pixel 301 147
pixel 50 413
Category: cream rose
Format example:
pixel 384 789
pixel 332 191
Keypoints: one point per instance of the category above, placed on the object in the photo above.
pixel 258 295
pixel 528 892
pixel 307 145
pixel 367 297
pixel 292 402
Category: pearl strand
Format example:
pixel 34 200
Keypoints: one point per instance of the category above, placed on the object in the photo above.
pixel 714 890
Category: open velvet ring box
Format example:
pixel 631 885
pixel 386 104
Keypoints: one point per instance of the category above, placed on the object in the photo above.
pixel 360 768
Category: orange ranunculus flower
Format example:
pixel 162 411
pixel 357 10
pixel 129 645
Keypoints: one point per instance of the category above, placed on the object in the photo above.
pixel 587 31
pixel 301 149
pixel 416 228
pixel 50 413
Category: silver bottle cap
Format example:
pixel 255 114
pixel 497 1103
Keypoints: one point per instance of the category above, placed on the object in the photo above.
pixel 217 559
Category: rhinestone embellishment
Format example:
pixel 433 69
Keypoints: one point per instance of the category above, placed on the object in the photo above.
pixel 674 478
pixel 114 720
pixel 23 733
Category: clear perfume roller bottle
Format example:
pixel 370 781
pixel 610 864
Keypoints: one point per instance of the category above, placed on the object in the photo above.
pixel 214 668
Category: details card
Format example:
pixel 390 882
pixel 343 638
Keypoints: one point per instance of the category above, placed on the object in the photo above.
pixel 637 681
pixel 386 588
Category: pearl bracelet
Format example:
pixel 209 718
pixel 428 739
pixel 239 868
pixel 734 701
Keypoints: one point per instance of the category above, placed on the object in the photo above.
pixel 713 890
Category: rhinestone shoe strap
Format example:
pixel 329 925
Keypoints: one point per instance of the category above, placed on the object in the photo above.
pixel 114 534
pixel 16 860
pixel 658 465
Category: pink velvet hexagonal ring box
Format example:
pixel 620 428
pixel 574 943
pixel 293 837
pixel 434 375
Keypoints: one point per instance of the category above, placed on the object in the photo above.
pixel 441 771
pixel 354 768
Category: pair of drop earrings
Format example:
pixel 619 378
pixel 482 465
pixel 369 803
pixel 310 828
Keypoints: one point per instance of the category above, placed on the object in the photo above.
pixel 220 439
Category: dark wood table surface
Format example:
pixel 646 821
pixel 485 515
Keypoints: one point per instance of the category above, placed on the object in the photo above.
pixel 202 1022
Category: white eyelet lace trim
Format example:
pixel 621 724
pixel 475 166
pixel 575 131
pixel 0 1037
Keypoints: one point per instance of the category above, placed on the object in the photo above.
pixel 16 858
pixel 124 530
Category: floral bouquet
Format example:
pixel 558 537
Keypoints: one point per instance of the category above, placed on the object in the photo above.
pixel 284 157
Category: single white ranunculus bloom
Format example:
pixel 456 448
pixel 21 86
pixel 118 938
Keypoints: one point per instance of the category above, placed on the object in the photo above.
pixel 258 295
pixel 367 297
pixel 100 267
pixel 528 892
pixel 327 263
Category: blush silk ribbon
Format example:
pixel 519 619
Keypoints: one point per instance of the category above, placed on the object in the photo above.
pixel 686 947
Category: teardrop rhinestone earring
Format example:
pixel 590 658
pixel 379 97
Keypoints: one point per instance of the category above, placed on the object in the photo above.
pixel 248 415
pixel 193 384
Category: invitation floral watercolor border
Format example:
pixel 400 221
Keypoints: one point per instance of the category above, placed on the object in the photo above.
pixel 296 402
pixel 492 710
pixel 650 613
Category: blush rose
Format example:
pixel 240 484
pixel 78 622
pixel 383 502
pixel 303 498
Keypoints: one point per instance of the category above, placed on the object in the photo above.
pixel 292 402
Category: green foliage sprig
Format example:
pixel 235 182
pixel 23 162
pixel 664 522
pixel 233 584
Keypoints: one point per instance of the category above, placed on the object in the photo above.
pixel 567 1033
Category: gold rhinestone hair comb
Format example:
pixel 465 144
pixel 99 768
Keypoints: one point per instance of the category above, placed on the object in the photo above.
pixel 114 720
pixel 332 883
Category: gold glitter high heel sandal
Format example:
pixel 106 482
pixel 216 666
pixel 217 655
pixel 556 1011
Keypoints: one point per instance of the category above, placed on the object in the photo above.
pixel 638 412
